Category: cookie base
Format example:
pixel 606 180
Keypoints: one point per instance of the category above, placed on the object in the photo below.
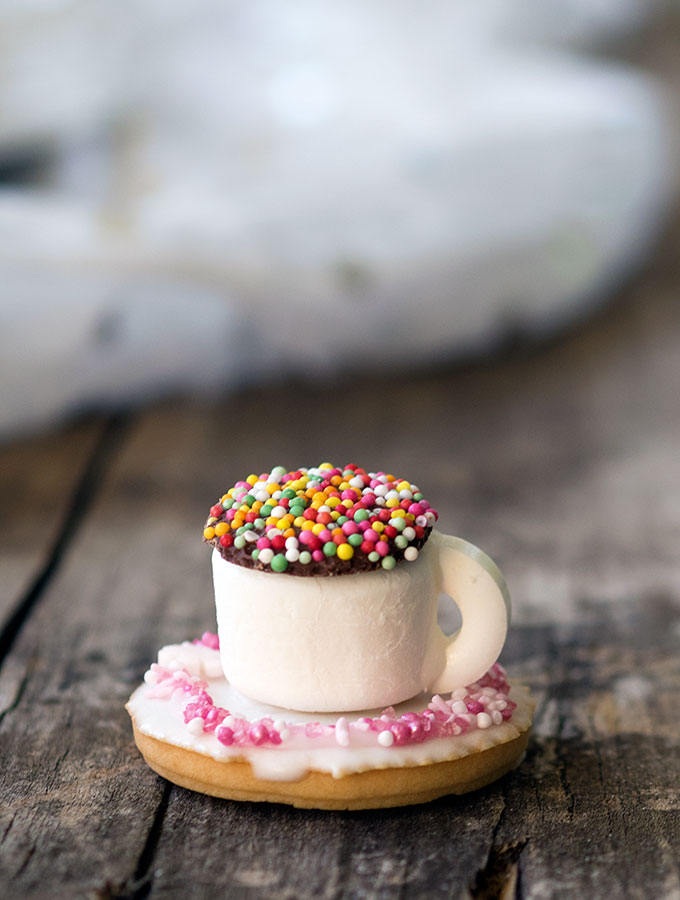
pixel 373 789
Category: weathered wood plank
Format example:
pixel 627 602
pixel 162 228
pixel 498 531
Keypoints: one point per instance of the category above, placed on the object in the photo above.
pixel 38 478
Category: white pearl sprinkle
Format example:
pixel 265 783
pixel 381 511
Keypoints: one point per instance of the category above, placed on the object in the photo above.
pixel 497 717
pixel 421 520
pixel 410 554
pixel 229 721
pixel 277 495
pixel 279 724
pixel 459 708
pixel 405 495
pixel 430 517
pixel 380 490
pixel 195 726
pixel 356 482
pixel 278 511
pixel 293 555
pixel 386 738
pixel 262 496
pixel 251 536
pixel 292 543
pixel 409 533
pixel 151 677
pixel 266 556
pixel 342 732
pixel 484 720
pixel 324 508
pixel 379 501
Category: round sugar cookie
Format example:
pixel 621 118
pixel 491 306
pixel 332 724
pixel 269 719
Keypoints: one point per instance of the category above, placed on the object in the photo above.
pixel 196 730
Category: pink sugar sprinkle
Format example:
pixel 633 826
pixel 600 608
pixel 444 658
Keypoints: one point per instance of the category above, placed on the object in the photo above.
pixel 401 732
pixel 225 735
pixel 317 555
pixel 474 707
pixel 258 734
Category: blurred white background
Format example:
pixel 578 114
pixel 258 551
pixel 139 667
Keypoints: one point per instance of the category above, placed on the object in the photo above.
pixel 196 194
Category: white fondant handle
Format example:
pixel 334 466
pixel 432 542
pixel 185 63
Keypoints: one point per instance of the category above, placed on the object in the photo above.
pixel 475 583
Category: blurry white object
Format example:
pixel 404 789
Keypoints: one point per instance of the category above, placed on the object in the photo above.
pixel 325 186
pixel 63 68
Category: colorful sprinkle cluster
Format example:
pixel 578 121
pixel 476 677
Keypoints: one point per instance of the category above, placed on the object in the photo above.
pixel 328 519
pixel 477 706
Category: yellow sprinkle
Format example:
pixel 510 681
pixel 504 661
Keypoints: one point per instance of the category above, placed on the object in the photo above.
pixel 343 487
pixel 299 522
pixel 209 533
pixel 221 528
pixel 403 486
pixel 270 520
pixel 320 497
pixel 326 466
pixel 335 514
pixel 345 551
pixel 224 497
pixel 398 513
pixel 272 487
pixel 317 528
pixel 308 525
pixel 391 503
pixel 332 502
pixel 251 479
pixel 378 526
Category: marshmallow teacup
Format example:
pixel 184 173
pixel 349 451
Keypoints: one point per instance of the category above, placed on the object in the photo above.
pixel 326 585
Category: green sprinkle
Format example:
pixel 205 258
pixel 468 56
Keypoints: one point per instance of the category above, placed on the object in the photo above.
pixel 356 540
pixel 330 548
pixel 289 493
pixel 249 499
pixel 227 504
pixel 341 520
pixel 279 563
pixel 417 497
pixel 239 542
pixel 305 557
pixel 374 556
pixel 296 511
pixel 266 510
pixel 277 472
pixel 389 562
pixel 258 523
pixel 398 523
pixel 360 515
pixel 348 473
pixel 255 554
pixel 242 529
pixel 401 542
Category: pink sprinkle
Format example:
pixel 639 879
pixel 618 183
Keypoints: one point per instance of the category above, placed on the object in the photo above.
pixel 317 555
pixel 258 734
pixel 225 735
pixel 350 528
pixel 325 535
pixel 382 548
pixel 263 543
pixel 401 733
pixel 416 509
pixel 208 639
pixel 474 707
pixel 372 536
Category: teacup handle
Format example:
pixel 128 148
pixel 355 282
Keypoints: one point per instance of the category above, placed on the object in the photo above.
pixel 474 582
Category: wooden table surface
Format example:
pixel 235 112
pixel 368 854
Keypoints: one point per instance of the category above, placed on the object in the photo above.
pixel 562 461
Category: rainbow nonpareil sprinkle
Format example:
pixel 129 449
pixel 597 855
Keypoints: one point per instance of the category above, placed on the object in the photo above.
pixel 325 519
